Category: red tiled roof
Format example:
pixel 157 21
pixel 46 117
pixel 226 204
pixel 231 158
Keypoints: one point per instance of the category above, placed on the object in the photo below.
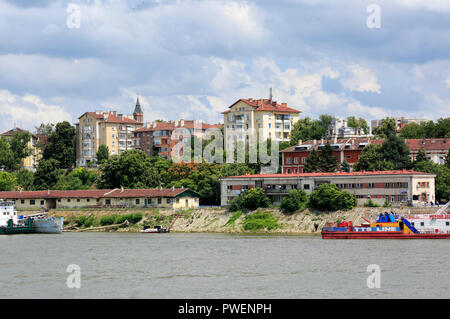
pixel 362 173
pixel 265 105
pixel 354 143
pixel 97 193
pixel 111 118
pixel 12 131
pixel 428 144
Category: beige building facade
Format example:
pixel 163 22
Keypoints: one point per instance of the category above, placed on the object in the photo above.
pixel 264 117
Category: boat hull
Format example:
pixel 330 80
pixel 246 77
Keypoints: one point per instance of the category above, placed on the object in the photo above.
pixel 382 235
pixel 48 226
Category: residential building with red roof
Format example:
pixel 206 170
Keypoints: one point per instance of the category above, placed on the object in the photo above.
pixel 175 198
pixel 399 187
pixel 162 136
pixel 266 117
pixel 108 128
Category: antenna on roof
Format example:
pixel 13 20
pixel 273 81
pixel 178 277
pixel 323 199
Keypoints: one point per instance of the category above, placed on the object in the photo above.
pixel 270 94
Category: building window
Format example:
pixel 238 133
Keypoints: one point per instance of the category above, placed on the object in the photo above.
pixel 22 201
pixel 159 200
pixel 288 160
pixel 306 186
pixel 137 201
pixel 32 202
pixel 169 200
pixel 107 201
pixel 42 202
pixel 371 185
pixel 78 200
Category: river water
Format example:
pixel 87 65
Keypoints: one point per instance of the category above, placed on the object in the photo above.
pixel 124 265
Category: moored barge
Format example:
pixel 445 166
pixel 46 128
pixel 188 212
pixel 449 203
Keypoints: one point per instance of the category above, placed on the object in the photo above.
pixel 389 226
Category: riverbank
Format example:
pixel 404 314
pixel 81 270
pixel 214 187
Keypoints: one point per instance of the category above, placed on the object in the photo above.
pixel 216 219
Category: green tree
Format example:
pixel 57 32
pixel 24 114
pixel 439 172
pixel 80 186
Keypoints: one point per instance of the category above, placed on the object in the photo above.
pixel 294 201
pixel 412 130
pixel 328 197
pixel 306 129
pixel 328 162
pixel 421 156
pixel 60 145
pixel 7 160
pixel 43 131
pixel 447 159
pixel 251 199
pixel 369 156
pixel 345 167
pixel 47 174
pixel 358 125
pixel 312 162
pixel 25 179
pixel 7 181
pixel 131 169
pixel 386 129
pixel 102 154
pixel 394 150
pixel 19 147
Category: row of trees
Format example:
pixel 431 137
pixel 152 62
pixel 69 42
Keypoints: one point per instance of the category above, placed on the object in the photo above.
pixel 327 197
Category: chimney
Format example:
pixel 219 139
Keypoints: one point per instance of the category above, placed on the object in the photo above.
pixel 120 116
pixel 321 141
pixel 182 122
pixel 335 140
pixel 284 104
pixel 121 189
pixel 314 142
pixel 270 94
pixel 300 142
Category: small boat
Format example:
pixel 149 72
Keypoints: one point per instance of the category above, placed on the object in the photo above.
pixel 389 226
pixel 41 223
pixel 154 230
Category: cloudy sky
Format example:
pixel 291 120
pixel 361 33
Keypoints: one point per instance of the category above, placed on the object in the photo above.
pixel 192 59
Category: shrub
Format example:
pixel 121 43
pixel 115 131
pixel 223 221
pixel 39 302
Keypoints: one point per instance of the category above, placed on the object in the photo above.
pixel 108 220
pixel 260 221
pixel 370 203
pixel 295 200
pixel 132 218
pixel 328 197
pixel 252 199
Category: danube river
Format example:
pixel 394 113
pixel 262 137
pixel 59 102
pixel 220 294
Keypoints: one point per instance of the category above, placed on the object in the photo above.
pixel 124 265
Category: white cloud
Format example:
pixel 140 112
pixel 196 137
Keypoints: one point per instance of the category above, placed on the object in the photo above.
pixel 360 79
pixel 28 111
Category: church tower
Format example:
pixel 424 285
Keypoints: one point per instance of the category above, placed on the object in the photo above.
pixel 138 115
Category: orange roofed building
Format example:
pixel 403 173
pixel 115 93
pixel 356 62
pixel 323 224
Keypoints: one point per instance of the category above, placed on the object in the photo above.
pixel 159 136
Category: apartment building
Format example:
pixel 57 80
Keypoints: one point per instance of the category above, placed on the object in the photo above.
pixel 30 162
pixel 264 116
pixel 174 198
pixel 108 128
pixel 399 187
pixel 159 136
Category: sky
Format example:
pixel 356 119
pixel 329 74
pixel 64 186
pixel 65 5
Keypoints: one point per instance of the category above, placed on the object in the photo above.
pixel 192 59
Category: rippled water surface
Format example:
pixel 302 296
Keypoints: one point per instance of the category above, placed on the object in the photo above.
pixel 119 265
